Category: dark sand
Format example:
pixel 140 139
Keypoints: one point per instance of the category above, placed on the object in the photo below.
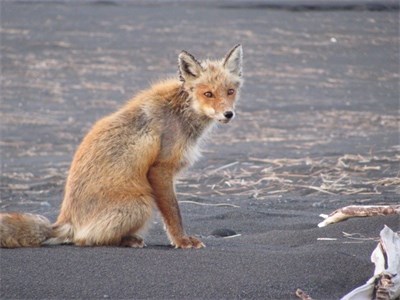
pixel 316 129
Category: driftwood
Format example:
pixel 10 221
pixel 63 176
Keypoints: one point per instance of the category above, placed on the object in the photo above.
pixel 352 211
pixel 385 284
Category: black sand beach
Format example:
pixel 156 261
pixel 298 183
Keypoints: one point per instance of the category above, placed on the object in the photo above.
pixel 317 128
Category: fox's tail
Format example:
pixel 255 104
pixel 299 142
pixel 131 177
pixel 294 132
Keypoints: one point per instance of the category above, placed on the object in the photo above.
pixel 30 230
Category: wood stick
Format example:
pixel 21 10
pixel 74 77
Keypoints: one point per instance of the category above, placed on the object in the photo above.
pixel 210 204
pixel 352 211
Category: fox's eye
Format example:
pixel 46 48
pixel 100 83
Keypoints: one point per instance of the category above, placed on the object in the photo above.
pixel 208 94
pixel 231 91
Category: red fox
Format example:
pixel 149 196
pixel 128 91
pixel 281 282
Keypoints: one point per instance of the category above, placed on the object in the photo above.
pixel 128 162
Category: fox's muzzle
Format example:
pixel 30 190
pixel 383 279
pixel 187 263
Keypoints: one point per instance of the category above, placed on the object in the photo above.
pixel 227 116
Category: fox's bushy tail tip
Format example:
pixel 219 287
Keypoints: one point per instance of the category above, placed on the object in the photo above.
pixel 30 230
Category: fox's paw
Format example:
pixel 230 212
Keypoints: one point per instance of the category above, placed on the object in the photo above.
pixel 188 242
pixel 133 241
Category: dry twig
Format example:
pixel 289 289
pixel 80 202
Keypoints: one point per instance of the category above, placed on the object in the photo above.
pixel 210 204
pixel 259 177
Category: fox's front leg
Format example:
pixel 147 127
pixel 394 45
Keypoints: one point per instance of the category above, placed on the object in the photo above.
pixel 161 180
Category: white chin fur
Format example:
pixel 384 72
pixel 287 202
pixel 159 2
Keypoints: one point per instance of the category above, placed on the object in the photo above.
pixel 224 120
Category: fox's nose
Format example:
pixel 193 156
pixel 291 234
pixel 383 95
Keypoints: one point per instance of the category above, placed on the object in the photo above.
pixel 228 114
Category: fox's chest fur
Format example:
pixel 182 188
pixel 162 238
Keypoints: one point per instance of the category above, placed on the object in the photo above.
pixel 181 132
pixel 180 141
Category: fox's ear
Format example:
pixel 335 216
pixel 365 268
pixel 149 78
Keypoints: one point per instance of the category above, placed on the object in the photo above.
pixel 189 67
pixel 234 59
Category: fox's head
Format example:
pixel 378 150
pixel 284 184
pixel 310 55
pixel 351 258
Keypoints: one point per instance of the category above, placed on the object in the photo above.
pixel 213 85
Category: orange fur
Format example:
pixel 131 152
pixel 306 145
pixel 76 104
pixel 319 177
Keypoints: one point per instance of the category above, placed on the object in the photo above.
pixel 128 162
